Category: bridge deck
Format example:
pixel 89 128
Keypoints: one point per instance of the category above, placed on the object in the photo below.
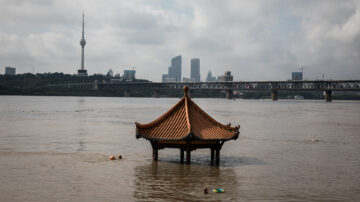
pixel 338 85
pixel 244 85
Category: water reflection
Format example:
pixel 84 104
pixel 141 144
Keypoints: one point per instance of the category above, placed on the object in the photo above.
pixel 81 146
pixel 81 101
pixel 226 161
pixel 166 181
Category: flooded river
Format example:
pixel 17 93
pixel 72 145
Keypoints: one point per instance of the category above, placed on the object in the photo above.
pixel 57 148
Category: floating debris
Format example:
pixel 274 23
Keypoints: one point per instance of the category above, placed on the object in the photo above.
pixel 112 157
pixel 315 140
pixel 120 157
pixel 206 190
pixel 218 190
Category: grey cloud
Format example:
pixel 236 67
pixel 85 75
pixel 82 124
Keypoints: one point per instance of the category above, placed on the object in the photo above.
pixel 255 39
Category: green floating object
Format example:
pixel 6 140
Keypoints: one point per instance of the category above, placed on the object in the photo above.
pixel 218 190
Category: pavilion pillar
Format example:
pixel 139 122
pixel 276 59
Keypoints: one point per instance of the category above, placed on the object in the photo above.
pixel 328 95
pixel 155 150
pixel 212 155
pixel 217 160
pixel 155 153
pixel 182 155
pixel 188 153
pixel 274 95
pixel 188 156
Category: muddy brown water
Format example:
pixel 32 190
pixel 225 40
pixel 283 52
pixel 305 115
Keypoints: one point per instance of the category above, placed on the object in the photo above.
pixel 57 148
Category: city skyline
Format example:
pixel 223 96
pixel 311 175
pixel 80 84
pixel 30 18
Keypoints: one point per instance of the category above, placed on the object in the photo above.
pixel 263 40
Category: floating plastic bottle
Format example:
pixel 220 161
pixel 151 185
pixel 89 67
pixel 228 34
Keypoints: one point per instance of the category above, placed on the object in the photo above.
pixel 218 190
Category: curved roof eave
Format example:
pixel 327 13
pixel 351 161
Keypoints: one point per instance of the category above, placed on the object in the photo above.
pixel 234 137
pixel 185 104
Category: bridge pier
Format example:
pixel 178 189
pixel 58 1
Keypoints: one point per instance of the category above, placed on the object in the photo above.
pixel 156 93
pixel 328 95
pixel 229 94
pixel 274 95
pixel 191 92
pixel 95 86
pixel 126 93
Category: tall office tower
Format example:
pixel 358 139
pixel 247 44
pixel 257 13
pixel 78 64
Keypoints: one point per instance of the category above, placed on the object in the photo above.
pixel 174 71
pixel 82 71
pixel 195 69
pixel 176 68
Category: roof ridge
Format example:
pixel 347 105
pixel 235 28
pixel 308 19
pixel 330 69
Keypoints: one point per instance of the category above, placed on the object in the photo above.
pixel 187 113
pixel 162 117
pixel 207 116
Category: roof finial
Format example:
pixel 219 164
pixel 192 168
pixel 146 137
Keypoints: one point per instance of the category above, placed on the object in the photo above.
pixel 186 91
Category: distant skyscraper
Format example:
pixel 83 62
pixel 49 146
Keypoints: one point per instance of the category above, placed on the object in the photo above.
pixel 296 76
pixel 210 78
pixel 176 67
pixel 195 69
pixel 129 75
pixel 174 71
pixel 110 73
pixel 10 70
pixel 82 71
pixel 227 76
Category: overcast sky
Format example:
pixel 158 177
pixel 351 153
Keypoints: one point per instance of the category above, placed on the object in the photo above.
pixel 255 40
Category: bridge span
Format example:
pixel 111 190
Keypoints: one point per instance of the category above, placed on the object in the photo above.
pixel 327 86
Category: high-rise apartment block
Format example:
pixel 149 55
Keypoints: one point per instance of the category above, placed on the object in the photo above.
pixel 227 76
pixel 195 69
pixel 129 75
pixel 10 70
pixel 296 76
pixel 174 71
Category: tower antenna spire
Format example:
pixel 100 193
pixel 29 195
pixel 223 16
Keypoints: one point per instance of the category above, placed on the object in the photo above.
pixel 83 25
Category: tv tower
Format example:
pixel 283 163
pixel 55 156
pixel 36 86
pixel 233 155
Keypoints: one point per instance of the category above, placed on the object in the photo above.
pixel 82 71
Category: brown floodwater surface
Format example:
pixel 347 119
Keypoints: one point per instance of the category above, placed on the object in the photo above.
pixel 57 148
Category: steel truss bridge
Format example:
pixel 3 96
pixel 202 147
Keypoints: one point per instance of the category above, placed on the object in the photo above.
pixel 327 86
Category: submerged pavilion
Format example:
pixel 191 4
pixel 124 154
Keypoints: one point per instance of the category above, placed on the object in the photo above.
pixel 187 127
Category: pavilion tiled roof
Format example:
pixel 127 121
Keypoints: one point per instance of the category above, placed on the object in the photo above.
pixel 186 120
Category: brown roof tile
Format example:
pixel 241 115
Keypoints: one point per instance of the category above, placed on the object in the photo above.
pixel 184 120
